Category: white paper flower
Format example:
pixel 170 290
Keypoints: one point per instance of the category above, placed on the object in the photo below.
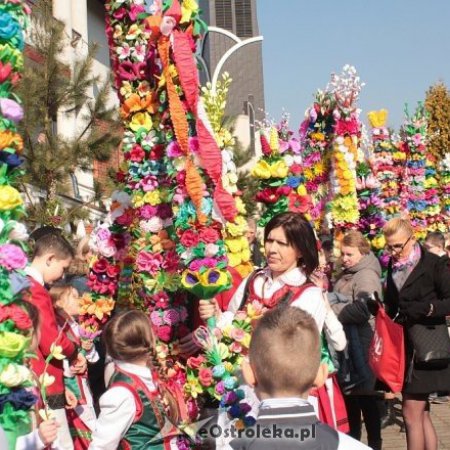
pixel 14 375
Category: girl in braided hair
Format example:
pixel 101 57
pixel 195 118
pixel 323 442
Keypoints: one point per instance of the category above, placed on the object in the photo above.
pixel 136 406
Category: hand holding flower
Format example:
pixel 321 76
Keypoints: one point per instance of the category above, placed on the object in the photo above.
pixel 208 309
pixel 80 364
pixel 188 346
pixel 48 431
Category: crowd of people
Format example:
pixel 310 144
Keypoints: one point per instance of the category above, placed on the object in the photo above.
pixel 308 362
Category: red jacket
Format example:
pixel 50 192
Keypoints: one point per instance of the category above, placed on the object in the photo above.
pixel 48 335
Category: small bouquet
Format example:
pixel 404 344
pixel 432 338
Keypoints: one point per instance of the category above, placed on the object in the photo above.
pixel 216 372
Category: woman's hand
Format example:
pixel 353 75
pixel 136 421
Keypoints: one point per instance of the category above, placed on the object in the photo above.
pixel 208 309
pixel 71 400
pixel 320 280
pixel 80 365
pixel 188 346
pixel 48 431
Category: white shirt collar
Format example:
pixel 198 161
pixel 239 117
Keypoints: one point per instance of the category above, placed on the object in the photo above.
pixel 35 274
pixel 286 402
pixel 142 372
pixel 293 277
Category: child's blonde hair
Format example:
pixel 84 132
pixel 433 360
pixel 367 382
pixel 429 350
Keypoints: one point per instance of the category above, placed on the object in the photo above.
pixel 60 292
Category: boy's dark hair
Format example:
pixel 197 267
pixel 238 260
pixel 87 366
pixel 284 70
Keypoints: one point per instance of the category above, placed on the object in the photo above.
pixel 300 235
pixel 285 351
pixel 53 243
pixel 436 238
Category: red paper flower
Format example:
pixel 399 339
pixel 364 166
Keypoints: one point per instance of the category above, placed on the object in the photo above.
pixel 194 362
pixel 209 235
pixel 205 377
pixel 189 238
pixel 164 333
pixel 100 266
pixel 299 203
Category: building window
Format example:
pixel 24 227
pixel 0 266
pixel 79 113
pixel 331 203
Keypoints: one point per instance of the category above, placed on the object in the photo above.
pixel 76 189
pixel 224 14
pixel 243 10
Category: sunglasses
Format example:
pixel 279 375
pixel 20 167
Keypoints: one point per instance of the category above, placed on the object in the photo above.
pixel 397 248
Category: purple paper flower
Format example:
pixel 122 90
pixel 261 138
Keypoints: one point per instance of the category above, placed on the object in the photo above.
pixel 11 110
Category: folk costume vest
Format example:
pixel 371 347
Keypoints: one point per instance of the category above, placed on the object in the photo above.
pixel 286 295
pixel 144 432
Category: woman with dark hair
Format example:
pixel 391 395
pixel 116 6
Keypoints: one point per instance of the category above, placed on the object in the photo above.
pixel 292 256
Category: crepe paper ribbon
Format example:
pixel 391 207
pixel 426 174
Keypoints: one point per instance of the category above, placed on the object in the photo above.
pixel 209 151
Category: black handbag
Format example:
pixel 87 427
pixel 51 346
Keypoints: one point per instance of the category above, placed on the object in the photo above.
pixel 431 344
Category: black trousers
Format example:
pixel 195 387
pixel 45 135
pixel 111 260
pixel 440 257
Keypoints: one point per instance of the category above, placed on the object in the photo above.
pixel 365 405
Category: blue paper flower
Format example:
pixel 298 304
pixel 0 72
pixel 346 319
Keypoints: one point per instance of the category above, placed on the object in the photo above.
pixel 10 30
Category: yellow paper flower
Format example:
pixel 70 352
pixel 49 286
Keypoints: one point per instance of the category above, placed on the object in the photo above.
pixel 11 344
pixel 245 254
pixel 240 206
pixel 193 388
pixel 246 341
pixel 319 168
pixel 117 31
pixel 141 120
pixel 228 367
pixel 279 169
pixel 188 8
pixel 9 198
pixel 100 308
pixel 273 139
pixel 126 89
pixel 261 170
pixel 150 284
pixel 133 32
pixel 56 351
pixel 152 197
pixel 137 200
pixel 378 119
pixel 234 259
pixel 301 190
pixel 318 136
pixel 238 227
pixel 234 245
pixel 14 375
pixel 308 173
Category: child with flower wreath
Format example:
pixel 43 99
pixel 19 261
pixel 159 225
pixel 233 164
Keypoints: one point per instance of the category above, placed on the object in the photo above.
pixel 80 411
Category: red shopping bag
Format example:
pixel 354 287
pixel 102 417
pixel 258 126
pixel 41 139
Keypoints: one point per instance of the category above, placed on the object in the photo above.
pixel 387 351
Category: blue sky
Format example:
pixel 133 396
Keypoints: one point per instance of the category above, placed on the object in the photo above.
pixel 399 48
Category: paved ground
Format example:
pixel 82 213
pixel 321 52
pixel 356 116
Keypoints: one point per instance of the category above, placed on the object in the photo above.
pixel 395 439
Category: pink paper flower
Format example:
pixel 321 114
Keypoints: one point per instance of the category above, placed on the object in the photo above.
pixel 148 262
pixel 12 257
